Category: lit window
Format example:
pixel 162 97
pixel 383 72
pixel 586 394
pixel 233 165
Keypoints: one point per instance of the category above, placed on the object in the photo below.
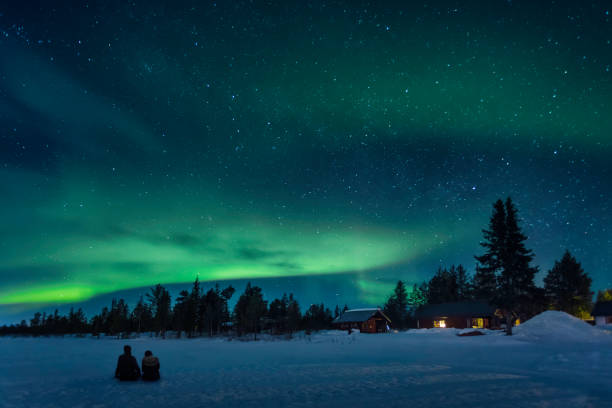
pixel 478 323
pixel 439 323
pixel 517 322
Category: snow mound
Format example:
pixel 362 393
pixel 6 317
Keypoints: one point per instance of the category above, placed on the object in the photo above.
pixel 558 326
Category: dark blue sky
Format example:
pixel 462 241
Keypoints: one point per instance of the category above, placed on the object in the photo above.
pixel 326 148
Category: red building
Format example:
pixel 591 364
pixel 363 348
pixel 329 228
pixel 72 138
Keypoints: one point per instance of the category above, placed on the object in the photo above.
pixel 365 320
pixel 602 312
pixel 460 315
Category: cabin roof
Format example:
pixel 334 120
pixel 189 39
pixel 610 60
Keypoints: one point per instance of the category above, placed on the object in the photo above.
pixel 602 309
pixel 455 309
pixel 359 315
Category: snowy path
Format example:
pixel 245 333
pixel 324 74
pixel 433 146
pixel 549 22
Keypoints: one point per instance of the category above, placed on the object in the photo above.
pixel 330 370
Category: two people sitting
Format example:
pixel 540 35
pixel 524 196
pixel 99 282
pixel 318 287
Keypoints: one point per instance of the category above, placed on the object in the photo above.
pixel 128 370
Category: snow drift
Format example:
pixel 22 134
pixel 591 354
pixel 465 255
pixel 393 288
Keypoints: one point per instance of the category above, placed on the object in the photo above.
pixel 559 326
pixel 420 368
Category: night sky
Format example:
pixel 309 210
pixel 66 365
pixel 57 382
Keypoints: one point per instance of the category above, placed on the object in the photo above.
pixel 331 147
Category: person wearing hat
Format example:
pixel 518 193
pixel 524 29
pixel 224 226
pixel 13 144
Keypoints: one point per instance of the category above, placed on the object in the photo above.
pixel 150 367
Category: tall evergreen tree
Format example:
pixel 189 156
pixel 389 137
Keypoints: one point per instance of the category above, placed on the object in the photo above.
pixel 99 323
pixel 568 287
pixel 443 286
pixel 224 316
pixel 77 322
pixel 159 301
pixel 515 283
pixel 464 284
pixel 118 318
pixel 210 310
pixel 249 310
pixel 317 317
pixel 336 311
pixel 490 264
pixel 396 307
pixel 36 324
pixel 294 316
pixel 277 313
pixel 193 312
pixel 214 309
pixel 424 290
pixel 416 298
pixel 180 313
pixel 141 317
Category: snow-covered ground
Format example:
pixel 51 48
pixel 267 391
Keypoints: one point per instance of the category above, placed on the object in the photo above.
pixel 419 368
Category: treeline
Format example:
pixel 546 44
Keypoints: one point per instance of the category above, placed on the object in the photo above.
pixel 504 277
pixel 195 313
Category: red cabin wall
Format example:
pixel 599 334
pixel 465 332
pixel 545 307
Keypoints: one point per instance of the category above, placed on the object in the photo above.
pixel 460 322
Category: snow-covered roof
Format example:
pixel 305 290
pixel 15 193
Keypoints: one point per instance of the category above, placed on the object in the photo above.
pixel 359 315
pixel 602 309
pixel 455 309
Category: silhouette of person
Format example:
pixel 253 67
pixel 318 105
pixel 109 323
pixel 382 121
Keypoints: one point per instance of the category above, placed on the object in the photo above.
pixel 127 366
pixel 150 367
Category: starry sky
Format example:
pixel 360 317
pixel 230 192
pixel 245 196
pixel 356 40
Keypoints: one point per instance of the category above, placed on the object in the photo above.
pixel 324 148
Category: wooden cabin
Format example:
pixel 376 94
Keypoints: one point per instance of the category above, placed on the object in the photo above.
pixel 459 315
pixel 365 320
pixel 602 312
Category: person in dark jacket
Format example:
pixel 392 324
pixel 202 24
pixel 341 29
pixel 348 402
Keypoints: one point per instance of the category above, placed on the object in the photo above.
pixel 127 366
pixel 150 367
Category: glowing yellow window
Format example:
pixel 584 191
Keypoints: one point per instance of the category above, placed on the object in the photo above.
pixel 439 323
pixel 478 323
pixel 517 322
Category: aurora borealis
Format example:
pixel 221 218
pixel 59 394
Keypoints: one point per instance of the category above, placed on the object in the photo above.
pixel 323 144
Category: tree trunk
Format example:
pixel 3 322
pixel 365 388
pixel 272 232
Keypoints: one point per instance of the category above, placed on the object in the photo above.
pixel 508 323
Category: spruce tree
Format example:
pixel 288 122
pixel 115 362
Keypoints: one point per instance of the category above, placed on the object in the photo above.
pixel 224 315
pixel 464 284
pixel 180 315
pixel 515 283
pixel 35 324
pixel 396 307
pixel 277 313
pixel 423 291
pixel 568 287
pixel 317 317
pixel 416 298
pixel 443 286
pixel 119 321
pixel 211 309
pixel 214 310
pixel 193 318
pixel 249 310
pixel 294 316
pixel 141 317
pixel 159 301
pixel 490 264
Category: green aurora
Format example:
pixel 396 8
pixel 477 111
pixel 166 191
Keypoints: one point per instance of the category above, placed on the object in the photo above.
pixel 150 144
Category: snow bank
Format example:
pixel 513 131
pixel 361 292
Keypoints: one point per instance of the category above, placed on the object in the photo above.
pixel 449 331
pixel 421 368
pixel 559 326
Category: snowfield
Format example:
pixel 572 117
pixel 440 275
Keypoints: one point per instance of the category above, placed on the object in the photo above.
pixel 549 363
